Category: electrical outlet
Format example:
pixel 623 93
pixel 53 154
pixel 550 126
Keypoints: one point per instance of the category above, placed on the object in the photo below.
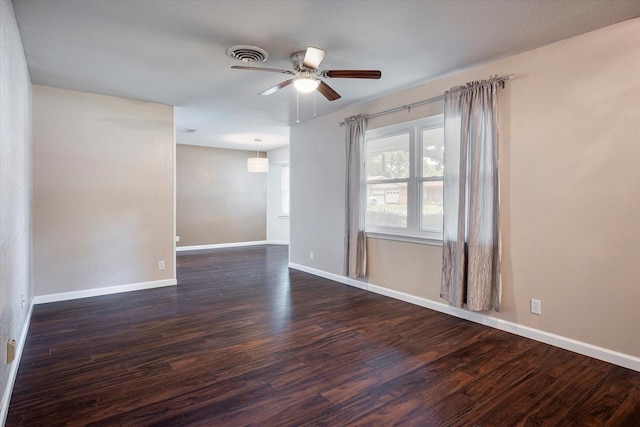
pixel 11 350
pixel 161 265
pixel 310 254
pixel 177 238
pixel 536 306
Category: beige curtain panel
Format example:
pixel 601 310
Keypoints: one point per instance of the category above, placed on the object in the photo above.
pixel 355 238
pixel 471 238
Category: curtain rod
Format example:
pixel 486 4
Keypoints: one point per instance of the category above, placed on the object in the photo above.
pixel 415 104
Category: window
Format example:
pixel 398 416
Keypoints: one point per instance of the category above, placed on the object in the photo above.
pixel 284 190
pixel 404 165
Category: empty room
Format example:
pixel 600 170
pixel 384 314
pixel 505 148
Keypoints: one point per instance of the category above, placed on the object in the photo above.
pixel 320 212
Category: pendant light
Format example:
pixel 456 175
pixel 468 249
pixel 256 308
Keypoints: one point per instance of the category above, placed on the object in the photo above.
pixel 257 163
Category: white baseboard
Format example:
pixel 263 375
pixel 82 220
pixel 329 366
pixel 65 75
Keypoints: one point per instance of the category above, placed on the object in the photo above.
pixel 220 246
pixel 13 372
pixel 586 349
pixel 43 299
pixel 278 242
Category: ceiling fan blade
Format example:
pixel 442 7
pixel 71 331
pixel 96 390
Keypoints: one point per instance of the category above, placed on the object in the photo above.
pixel 273 70
pixel 352 74
pixel 328 93
pixel 313 57
pixel 276 87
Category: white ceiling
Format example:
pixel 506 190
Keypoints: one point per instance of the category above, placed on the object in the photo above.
pixel 173 51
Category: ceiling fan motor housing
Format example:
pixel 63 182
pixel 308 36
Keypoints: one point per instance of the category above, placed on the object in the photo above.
pixel 297 59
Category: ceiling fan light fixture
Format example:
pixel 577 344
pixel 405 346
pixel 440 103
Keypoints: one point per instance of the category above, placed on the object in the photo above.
pixel 306 84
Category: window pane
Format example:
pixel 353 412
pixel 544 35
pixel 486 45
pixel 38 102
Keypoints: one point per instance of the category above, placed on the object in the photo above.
pixel 284 190
pixel 431 218
pixel 387 205
pixel 388 157
pixel 432 152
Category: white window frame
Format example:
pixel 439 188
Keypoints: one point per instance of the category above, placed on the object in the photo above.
pixel 412 232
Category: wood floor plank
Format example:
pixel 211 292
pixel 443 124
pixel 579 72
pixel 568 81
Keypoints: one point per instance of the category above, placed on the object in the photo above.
pixel 522 394
pixel 628 414
pixel 600 404
pixel 242 340
pixel 556 401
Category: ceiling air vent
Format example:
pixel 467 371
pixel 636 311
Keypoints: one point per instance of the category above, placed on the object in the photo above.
pixel 247 54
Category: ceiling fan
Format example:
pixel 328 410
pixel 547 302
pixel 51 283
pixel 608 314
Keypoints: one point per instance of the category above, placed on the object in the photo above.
pixel 307 75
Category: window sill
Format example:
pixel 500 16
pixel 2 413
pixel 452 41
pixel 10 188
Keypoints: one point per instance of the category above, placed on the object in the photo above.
pixel 407 239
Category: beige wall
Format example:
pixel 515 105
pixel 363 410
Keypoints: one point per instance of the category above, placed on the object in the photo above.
pixel 570 162
pixel 217 200
pixel 103 191
pixel 15 194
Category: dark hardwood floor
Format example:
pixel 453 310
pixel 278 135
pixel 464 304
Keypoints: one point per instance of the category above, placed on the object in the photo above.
pixel 242 340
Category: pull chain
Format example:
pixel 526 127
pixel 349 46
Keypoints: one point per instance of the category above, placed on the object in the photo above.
pixel 297 107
